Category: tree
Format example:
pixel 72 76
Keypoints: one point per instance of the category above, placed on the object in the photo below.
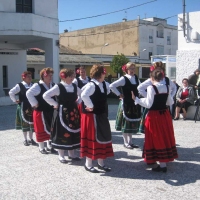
pixel 117 62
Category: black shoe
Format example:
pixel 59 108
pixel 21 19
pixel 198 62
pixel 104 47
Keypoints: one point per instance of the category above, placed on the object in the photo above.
pixel 32 142
pixel 92 170
pixel 43 151
pixel 74 159
pixel 176 118
pixel 52 150
pixel 184 118
pixel 134 146
pixel 160 169
pixel 26 143
pixel 106 169
pixel 63 161
pixel 128 146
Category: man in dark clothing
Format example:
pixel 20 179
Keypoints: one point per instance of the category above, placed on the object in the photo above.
pixel 192 80
pixel 174 105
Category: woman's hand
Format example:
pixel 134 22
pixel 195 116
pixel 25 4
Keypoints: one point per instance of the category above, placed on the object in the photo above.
pixel 34 107
pixel 133 96
pixel 17 102
pixel 89 109
pixel 121 96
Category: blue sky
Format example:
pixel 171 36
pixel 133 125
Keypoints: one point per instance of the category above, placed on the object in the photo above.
pixel 73 9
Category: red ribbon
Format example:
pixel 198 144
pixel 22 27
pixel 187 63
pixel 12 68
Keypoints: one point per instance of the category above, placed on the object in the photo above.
pixel 62 75
pixel 124 68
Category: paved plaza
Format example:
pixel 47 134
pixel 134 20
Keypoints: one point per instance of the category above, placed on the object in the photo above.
pixel 27 174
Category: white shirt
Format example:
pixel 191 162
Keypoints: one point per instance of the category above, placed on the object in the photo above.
pixel 148 101
pixel 89 90
pixel 34 91
pixel 15 90
pixel 55 91
pixel 121 82
pixel 143 86
pixel 83 80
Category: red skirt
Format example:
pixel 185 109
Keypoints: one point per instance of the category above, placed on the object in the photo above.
pixel 41 132
pixel 89 146
pixel 160 142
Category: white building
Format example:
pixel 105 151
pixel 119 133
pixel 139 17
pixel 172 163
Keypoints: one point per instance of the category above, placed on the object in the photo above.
pixel 188 53
pixel 26 24
pixel 157 37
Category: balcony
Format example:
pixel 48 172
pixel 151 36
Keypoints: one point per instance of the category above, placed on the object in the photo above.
pixel 27 24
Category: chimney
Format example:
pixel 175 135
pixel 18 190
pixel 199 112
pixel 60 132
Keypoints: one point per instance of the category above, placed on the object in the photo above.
pixel 124 19
pixel 65 31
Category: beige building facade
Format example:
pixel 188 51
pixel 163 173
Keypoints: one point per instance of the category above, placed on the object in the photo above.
pixel 142 38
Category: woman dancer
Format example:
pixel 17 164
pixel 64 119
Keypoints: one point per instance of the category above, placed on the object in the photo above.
pixel 43 112
pixel 159 133
pixel 142 89
pixel 65 133
pixel 24 114
pixel 96 143
pixel 128 115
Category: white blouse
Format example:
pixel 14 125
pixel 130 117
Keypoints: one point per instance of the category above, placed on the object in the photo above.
pixel 148 101
pixel 121 82
pixel 89 89
pixel 34 91
pixel 143 86
pixel 83 80
pixel 55 91
pixel 15 90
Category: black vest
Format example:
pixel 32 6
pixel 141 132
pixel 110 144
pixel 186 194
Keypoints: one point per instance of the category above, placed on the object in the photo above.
pixel 99 100
pixel 67 98
pixel 160 100
pixel 22 93
pixel 43 105
pixel 80 83
pixel 128 87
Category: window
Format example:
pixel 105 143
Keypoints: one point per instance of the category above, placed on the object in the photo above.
pixel 150 39
pixel 150 52
pixel 168 38
pixel 32 70
pixel 24 6
pixel 150 35
pixel 160 50
pixel 160 32
pixel 5 76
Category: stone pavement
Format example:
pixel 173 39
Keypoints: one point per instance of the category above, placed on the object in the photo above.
pixel 26 174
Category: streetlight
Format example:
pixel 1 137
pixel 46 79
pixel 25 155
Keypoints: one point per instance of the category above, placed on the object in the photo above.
pixel 106 44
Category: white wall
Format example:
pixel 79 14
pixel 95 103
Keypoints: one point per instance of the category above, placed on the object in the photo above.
pixel 187 61
pixel 16 65
pixel 48 8
pixel 192 25
pixel 7 6
pixel 144 41
pixel 188 54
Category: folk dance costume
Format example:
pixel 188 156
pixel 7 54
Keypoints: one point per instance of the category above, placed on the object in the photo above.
pixel 159 133
pixel 65 133
pixel 128 114
pixel 42 115
pixel 24 113
pixel 80 82
pixel 142 89
pixel 96 141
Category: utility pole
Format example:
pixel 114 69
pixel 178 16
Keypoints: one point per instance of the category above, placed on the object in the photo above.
pixel 184 18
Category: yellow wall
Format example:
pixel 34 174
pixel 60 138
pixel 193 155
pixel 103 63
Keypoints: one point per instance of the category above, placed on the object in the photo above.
pixel 121 41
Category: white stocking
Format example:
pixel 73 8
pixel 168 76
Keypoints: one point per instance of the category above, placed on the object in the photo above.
pixel 61 154
pixel 30 135
pixel 125 137
pixel 25 135
pixel 88 162
pixel 162 164
pixel 101 162
pixel 41 145
pixel 71 153
pixel 129 138
pixel 48 144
